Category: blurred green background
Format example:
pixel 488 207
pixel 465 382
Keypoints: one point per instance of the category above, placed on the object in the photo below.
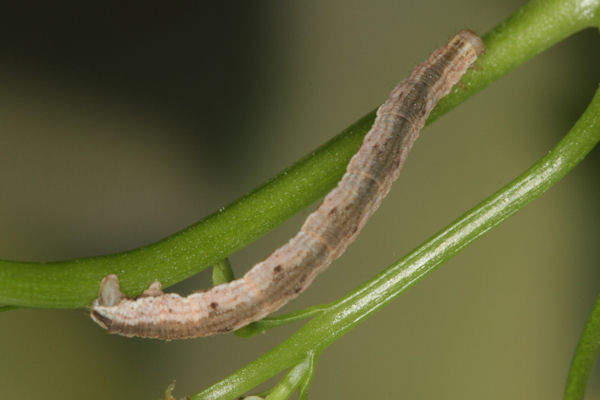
pixel 119 126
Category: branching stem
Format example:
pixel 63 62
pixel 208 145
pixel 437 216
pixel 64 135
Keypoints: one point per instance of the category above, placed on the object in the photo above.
pixel 352 309
pixel 74 283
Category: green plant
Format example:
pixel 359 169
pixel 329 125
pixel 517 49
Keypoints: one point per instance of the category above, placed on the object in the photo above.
pixel 74 283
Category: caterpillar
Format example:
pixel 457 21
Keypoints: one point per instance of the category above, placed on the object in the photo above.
pixel 325 234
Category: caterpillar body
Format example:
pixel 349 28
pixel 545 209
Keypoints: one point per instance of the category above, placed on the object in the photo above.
pixel 325 234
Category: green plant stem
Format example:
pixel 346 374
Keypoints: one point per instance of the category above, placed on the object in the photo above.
pixel 309 373
pixel 74 283
pixel 296 377
pixel 586 353
pixel 349 311
pixel 222 272
pixel 533 28
pixel 273 322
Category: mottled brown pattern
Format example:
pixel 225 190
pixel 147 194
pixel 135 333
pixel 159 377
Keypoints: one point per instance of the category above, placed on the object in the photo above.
pixel 324 236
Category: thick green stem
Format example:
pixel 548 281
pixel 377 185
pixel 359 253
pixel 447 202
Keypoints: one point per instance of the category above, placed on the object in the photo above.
pixel 74 283
pixel 349 311
pixel 586 353
pixel 535 27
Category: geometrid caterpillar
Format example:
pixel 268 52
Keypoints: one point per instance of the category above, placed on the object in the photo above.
pixel 324 236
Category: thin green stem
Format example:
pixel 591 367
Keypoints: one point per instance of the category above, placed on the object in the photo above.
pixel 352 309
pixel 308 375
pixel 274 322
pixel 293 379
pixel 74 283
pixel 586 354
pixel 222 272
